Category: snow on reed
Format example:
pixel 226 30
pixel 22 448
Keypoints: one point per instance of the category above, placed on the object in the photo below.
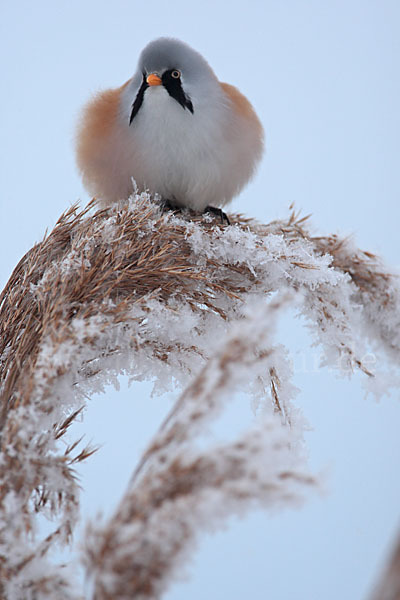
pixel 136 290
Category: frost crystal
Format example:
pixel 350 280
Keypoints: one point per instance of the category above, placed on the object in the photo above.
pixel 190 304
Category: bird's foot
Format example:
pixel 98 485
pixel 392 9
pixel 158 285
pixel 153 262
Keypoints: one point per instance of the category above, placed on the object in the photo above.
pixel 169 205
pixel 219 213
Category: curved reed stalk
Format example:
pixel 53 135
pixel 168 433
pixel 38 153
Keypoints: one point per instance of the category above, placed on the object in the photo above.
pixel 173 298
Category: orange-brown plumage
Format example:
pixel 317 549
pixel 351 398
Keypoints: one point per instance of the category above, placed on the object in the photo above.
pixel 96 137
pixel 241 104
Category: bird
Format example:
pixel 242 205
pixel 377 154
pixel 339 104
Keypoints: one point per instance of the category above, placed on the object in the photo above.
pixel 173 130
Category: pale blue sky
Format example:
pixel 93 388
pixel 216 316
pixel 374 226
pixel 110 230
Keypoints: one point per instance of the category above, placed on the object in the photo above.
pixel 324 78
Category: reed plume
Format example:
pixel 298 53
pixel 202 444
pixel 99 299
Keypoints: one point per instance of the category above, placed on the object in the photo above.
pixel 188 302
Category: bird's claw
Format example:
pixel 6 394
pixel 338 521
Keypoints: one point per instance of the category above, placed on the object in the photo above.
pixel 169 205
pixel 219 212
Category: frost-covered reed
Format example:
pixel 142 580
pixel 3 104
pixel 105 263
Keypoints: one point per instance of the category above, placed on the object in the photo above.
pixel 187 302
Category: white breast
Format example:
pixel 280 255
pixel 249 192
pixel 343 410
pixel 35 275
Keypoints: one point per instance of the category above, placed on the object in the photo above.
pixel 194 160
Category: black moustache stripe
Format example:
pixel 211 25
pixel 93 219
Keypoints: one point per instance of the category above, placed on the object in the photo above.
pixel 175 90
pixel 139 99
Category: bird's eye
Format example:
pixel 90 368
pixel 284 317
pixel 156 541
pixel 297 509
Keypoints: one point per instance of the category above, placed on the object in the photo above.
pixel 175 74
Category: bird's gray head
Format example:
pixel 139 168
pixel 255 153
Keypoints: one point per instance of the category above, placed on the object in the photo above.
pixel 183 72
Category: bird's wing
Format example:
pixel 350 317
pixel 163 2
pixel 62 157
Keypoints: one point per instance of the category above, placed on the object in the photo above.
pixel 99 118
pixel 242 106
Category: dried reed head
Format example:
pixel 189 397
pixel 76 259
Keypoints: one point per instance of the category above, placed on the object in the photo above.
pixel 136 289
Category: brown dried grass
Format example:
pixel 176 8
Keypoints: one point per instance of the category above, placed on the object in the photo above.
pixel 39 301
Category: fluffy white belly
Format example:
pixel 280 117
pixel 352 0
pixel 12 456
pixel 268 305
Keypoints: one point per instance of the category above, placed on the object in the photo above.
pixel 186 158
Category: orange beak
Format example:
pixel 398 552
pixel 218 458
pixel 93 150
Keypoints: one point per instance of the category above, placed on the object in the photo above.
pixel 153 79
